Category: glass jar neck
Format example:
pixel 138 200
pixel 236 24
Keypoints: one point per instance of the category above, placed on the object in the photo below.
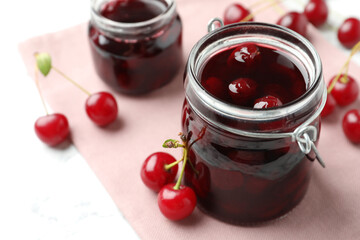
pixel 147 27
pixel 224 115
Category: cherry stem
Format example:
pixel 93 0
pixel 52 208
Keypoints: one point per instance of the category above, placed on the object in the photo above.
pixel 168 166
pixel 193 142
pixel 354 50
pixel 200 136
pixel 178 183
pixel 39 90
pixel 70 80
pixel 251 15
pixel 193 168
pixel 344 69
pixel 260 2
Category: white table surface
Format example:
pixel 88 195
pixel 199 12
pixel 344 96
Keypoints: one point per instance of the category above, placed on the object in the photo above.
pixel 48 193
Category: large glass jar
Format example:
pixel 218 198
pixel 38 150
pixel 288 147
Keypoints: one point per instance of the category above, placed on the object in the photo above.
pixel 251 165
pixel 136 45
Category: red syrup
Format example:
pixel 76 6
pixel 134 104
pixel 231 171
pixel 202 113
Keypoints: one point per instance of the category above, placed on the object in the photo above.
pixel 136 63
pixel 245 180
pixel 264 70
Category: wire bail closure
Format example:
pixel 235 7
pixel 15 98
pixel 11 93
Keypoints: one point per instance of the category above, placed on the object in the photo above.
pixel 212 24
pixel 305 135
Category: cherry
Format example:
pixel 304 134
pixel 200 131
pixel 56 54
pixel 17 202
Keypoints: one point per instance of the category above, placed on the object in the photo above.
pixel 316 12
pixel 329 106
pixel 153 172
pixel 101 108
pixel 226 180
pixel 176 204
pixel 242 90
pixel 201 179
pixel 267 102
pixel 349 32
pixel 351 125
pixel 52 129
pixel 247 56
pixel 215 86
pixel 277 91
pixel 247 157
pixel 345 91
pixel 130 11
pixel 295 21
pixel 235 13
pixel 255 185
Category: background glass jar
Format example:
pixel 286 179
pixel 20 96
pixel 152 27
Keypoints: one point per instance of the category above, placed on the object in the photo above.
pixel 136 45
pixel 251 165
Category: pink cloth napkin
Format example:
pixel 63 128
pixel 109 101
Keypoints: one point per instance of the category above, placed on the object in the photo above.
pixel 330 210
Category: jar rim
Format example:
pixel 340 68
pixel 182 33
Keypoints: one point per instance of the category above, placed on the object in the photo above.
pixel 247 113
pixel 132 27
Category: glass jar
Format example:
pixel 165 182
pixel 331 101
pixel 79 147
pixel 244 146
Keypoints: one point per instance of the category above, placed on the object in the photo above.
pixel 251 165
pixel 136 45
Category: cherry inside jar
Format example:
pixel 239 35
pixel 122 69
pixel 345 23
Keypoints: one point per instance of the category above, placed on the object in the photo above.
pixel 136 45
pixel 250 88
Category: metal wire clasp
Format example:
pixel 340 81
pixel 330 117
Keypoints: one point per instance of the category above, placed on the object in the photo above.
pixel 306 137
pixel 214 23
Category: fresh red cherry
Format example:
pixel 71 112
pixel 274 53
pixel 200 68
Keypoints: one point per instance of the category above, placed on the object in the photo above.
pixel 176 204
pixel 235 13
pixel 52 129
pixel 215 86
pixel 153 172
pixel 267 102
pixel 345 91
pixel 295 21
pixel 316 12
pixel 329 106
pixel 351 125
pixel 349 32
pixel 246 56
pixel 242 90
pixel 101 108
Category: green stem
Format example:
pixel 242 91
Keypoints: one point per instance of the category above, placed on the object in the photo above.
pixel 178 183
pixel 251 15
pixel 39 90
pixel 193 168
pixel 194 142
pixel 344 69
pixel 168 166
pixel 70 80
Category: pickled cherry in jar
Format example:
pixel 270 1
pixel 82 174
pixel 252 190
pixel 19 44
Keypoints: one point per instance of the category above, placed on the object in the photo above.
pixel 136 45
pixel 251 87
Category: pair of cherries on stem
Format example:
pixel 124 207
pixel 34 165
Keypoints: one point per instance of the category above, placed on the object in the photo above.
pixel 348 33
pixel 175 200
pixel 343 90
pixel 53 129
pixel 316 12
